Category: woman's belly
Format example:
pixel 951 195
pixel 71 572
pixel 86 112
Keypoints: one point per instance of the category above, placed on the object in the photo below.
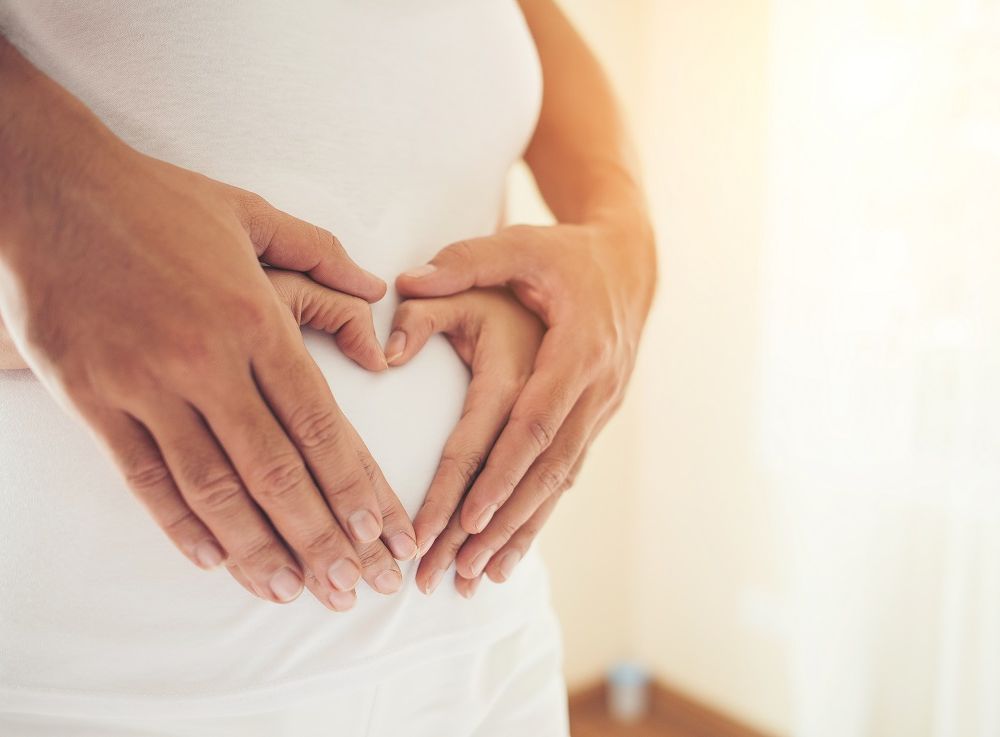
pixel 96 603
pixel 404 414
pixel 357 119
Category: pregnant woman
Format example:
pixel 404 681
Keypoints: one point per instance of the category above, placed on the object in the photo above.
pixel 131 287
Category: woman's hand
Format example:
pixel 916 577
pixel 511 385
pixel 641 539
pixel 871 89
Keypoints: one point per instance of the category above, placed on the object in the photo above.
pixel 498 339
pixel 592 286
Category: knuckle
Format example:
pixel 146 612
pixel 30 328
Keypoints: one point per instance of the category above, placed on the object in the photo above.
pixel 464 465
pixel 354 341
pixel 551 477
pixel 510 480
pixel 180 523
pixel 314 427
pixel 529 531
pixel 541 428
pixel 372 554
pixel 191 351
pixel 390 514
pixel 279 480
pixel 259 219
pixel 357 310
pixel 251 315
pixel 350 487
pixel 452 545
pixel 216 489
pixel 257 552
pixel 368 465
pixel 147 477
pixel 506 529
pixel 322 541
pixel 597 352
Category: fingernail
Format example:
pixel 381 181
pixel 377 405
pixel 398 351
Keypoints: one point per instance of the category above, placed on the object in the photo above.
pixel 286 585
pixel 343 600
pixel 364 526
pixel 395 346
pixel 507 563
pixel 343 574
pixel 485 517
pixel 469 590
pixel 420 271
pixel 433 581
pixel 427 545
pixel 480 561
pixel 402 546
pixel 208 554
pixel 388 582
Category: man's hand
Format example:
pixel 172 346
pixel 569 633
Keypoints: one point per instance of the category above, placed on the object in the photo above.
pixel 133 290
pixel 498 339
pixel 593 294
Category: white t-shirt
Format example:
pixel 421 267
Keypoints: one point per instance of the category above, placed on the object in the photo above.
pixel 393 123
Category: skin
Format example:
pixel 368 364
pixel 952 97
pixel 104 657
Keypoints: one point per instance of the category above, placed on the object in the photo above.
pixel 347 319
pixel 134 291
pixel 590 279
pixel 498 339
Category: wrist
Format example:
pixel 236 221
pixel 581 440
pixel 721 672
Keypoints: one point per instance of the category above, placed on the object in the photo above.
pixel 627 233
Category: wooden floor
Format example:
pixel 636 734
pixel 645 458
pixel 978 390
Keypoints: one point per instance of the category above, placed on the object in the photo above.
pixel 591 720
pixel 672 714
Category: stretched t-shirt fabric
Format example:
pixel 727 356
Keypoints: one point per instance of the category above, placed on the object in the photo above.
pixel 392 123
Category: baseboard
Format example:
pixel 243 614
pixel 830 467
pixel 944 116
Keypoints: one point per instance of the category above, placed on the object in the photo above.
pixel 671 711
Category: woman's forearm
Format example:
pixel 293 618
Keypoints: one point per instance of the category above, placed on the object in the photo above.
pixel 581 154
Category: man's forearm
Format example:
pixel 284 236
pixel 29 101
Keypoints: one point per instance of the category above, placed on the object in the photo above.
pixel 581 154
pixel 48 142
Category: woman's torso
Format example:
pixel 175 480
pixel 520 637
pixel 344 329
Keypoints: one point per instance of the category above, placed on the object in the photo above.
pixel 393 124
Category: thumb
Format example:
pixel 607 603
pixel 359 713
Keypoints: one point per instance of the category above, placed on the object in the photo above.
pixel 348 319
pixel 415 321
pixel 286 242
pixel 489 261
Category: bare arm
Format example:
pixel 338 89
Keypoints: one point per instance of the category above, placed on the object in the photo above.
pixel 581 154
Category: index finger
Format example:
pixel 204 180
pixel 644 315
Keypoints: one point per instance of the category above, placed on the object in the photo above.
pixel 488 261
pixel 487 405
pixel 559 379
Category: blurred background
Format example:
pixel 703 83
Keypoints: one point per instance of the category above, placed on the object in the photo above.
pixel 793 525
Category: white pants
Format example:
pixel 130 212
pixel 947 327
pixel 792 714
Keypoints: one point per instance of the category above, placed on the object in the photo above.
pixel 513 686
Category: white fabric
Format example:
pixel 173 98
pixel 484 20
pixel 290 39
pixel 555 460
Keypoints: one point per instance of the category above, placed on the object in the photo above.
pixel 393 124
pixel 514 686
